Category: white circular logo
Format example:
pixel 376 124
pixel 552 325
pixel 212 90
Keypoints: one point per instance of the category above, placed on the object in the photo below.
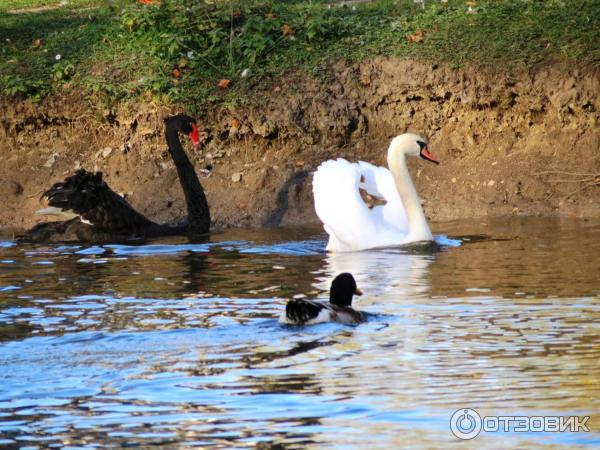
pixel 465 423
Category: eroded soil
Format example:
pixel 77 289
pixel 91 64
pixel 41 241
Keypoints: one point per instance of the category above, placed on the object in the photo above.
pixel 499 138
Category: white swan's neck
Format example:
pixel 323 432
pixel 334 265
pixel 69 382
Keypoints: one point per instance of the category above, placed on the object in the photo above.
pixel 418 228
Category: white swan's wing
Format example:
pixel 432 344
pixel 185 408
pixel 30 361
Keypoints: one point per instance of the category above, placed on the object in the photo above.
pixel 350 223
pixel 339 205
pixel 379 181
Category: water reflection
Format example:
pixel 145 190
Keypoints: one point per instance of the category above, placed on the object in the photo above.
pixel 392 271
pixel 177 344
pixel 521 257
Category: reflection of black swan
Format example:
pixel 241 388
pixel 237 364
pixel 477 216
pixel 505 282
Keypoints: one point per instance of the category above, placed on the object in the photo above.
pixel 104 215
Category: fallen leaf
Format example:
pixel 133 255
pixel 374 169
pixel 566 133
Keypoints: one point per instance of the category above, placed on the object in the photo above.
pixel 176 72
pixel 146 2
pixel 224 84
pixel 287 30
pixel 300 163
pixel 597 180
pixel 37 43
pixel 270 15
pixel 417 37
pixel 235 123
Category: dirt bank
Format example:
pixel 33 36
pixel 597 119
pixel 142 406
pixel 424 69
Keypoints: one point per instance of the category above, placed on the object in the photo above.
pixel 496 135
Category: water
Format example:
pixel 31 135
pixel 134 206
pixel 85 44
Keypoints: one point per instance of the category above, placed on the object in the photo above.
pixel 177 344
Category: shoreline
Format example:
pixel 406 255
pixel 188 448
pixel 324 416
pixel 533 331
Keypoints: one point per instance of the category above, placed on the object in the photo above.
pixel 507 145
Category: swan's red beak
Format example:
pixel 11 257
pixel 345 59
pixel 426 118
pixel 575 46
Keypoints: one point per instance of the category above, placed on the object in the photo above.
pixel 428 156
pixel 194 136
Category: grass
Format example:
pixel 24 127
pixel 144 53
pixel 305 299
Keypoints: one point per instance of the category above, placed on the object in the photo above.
pixel 178 50
pixel 42 51
pixel 17 5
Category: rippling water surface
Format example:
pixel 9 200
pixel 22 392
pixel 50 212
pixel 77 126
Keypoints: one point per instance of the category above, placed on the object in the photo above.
pixel 176 344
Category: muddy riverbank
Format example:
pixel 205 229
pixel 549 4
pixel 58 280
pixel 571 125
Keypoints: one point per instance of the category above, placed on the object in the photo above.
pixel 500 139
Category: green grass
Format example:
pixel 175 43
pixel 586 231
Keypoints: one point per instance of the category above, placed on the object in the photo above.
pixel 31 42
pixel 16 5
pixel 177 50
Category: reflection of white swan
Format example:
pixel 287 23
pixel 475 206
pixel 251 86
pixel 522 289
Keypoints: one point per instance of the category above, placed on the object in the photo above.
pixel 350 223
pixel 381 271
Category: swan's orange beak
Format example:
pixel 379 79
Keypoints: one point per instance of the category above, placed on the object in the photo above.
pixel 428 156
pixel 194 136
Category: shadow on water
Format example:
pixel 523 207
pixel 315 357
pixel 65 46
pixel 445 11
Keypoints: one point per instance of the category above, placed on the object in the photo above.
pixel 177 343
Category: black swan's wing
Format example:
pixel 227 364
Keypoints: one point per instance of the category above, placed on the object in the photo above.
pixel 300 311
pixel 88 196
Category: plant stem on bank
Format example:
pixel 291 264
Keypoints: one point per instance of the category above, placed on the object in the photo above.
pixel 176 51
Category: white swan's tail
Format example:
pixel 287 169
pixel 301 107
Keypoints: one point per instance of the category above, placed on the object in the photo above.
pixel 350 223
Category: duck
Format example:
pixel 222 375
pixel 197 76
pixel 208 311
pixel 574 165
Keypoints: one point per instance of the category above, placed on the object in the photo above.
pixel 338 309
pixel 96 213
pixel 351 223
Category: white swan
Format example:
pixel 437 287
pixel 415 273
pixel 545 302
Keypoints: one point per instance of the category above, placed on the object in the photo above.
pixel 351 224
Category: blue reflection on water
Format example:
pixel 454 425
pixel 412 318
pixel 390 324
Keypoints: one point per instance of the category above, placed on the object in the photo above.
pixel 177 343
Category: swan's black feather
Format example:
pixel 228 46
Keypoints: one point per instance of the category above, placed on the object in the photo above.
pixel 106 216
pixel 87 195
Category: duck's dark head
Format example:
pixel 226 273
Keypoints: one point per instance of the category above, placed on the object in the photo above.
pixel 186 125
pixel 343 288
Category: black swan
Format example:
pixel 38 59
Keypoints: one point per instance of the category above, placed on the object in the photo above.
pixel 103 215
pixel 339 309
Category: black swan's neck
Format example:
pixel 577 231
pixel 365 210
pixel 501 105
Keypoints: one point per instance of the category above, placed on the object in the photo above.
pixel 197 206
